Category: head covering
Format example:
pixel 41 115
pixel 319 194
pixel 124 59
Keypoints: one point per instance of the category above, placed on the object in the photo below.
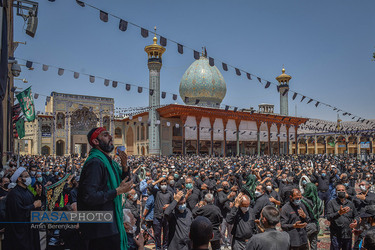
pixel 93 134
pixel 17 174
pixel 311 193
pixel 300 183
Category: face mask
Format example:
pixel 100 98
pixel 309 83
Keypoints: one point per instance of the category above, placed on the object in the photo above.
pixel 56 173
pixel 135 197
pixel 264 169
pixel 341 195
pixel 284 180
pixel 6 185
pixel 189 185
pixel 27 181
pixel 346 184
pixel 297 202
pixel 32 173
pixel 171 182
pixel 269 188
pixel 163 187
pixel 244 209
pixel 47 173
pixel 182 207
pixel 368 176
pixel 304 169
pixel 176 176
pixel 257 193
pixel 304 182
pixel 324 175
pixel 363 188
pixel 268 175
pixel 133 229
pixel 40 179
pixel 226 188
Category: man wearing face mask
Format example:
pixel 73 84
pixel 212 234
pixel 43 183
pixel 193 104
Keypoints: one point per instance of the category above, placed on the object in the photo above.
pixel 171 183
pixel 294 219
pixel 323 181
pixel 132 204
pixel 273 196
pixel 193 199
pixel 163 198
pixel 4 187
pixel 343 216
pixel 261 200
pixel 242 218
pixel 350 191
pixel 19 204
pixel 364 197
pixel 180 219
pixel 225 197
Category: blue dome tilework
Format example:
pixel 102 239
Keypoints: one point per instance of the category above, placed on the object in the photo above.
pixel 203 82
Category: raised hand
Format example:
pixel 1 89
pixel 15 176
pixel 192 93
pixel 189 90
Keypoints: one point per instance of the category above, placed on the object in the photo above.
pixel 298 224
pixel 124 159
pixel 353 224
pixel 301 213
pixel 238 200
pixel 343 210
pixel 125 186
pixel 178 196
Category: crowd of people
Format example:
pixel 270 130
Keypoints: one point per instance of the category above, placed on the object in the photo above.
pixel 192 202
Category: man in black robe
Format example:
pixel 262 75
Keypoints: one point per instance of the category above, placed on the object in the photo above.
pixel 19 204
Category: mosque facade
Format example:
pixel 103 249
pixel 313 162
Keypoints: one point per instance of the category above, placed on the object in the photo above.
pixel 198 127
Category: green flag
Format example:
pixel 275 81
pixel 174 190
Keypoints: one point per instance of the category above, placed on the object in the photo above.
pixel 27 104
pixel 332 144
pixel 20 126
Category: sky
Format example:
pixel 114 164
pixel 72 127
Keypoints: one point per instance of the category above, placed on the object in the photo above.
pixel 326 46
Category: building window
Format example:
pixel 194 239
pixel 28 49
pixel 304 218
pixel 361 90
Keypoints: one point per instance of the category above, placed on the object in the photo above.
pixel 46 129
pixel 143 133
pixel 137 133
pixel 177 131
pixel 60 121
pixel 118 133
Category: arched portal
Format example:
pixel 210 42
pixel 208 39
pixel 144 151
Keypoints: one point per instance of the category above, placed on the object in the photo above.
pixel 60 145
pixel 45 150
pixel 130 142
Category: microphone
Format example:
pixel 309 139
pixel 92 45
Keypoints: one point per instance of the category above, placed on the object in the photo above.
pixel 148 232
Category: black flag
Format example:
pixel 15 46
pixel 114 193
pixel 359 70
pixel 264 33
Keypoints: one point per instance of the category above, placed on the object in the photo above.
pixel 163 41
pixel 260 80
pixel 140 89
pixel 163 94
pixel 144 33
pixel 151 92
pixel 127 87
pixel 180 48
pixel 174 97
pixel 267 85
pixel 303 98
pixel 225 67
pixel 196 55
pixel 104 16
pixel 248 76
pixel 294 96
pixel 211 61
pixel 238 72
pixel 123 25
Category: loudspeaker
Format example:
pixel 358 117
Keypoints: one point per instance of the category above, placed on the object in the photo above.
pixel 32 24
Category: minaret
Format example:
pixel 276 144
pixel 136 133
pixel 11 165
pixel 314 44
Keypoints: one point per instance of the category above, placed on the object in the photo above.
pixel 283 80
pixel 154 64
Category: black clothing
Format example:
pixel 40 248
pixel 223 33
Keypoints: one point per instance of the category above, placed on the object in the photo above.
pixel 260 203
pixel 94 195
pixel 289 216
pixel 19 204
pixel 361 204
pixel 323 182
pixel 224 202
pixel 179 226
pixel 213 213
pixel 161 199
pixel 193 199
pixel 3 192
pixel 340 223
pixel 243 223
pixel 271 239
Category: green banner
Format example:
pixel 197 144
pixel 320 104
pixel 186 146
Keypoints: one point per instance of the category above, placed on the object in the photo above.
pixel 20 126
pixel 332 144
pixel 26 101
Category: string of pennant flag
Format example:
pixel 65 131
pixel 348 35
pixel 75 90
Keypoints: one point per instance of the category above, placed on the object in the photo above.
pixel 122 112
pixel 123 26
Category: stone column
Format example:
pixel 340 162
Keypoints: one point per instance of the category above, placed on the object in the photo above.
pixel 358 145
pixel 296 138
pixel 315 145
pixel 225 122
pixel 278 139
pixel 307 146
pixel 212 121
pixel 258 137
pixel 183 121
pixel 154 103
pixel 269 137
pixel 287 139
pixel 238 137
pixel 325 145
pixel 198 119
